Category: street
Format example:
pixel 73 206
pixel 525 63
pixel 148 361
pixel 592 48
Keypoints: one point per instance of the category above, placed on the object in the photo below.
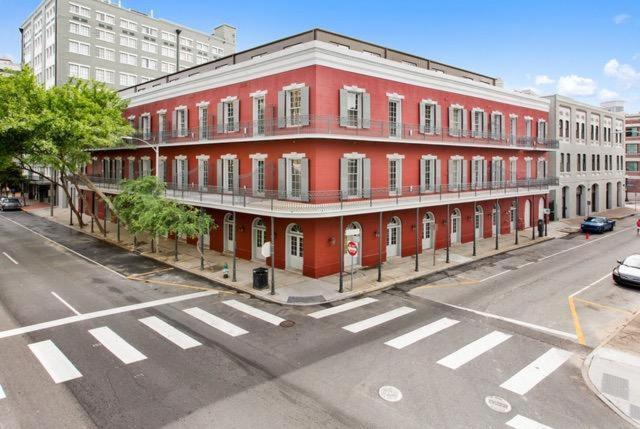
pixel 81 345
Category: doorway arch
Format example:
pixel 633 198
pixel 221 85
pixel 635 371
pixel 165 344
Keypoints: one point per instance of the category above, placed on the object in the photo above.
pixel 357 260
pixel 479 223
pixel 580 201
pixel 428 231
pixel 258 236
pixel 527 214
pixel 394 235
pixel 229 233
pixel 294 247
pixel 608 200
pixel 541 208
pixel 455 226
pixel 595 198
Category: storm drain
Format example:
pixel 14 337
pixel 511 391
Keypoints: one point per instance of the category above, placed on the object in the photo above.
pixel 615 386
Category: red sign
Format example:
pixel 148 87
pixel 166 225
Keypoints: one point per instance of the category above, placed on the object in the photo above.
pixel 352 248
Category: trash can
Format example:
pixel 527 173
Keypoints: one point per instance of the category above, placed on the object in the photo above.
pixel 260 278
pixel 540 227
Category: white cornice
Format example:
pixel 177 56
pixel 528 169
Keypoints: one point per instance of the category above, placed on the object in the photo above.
pixel 324 54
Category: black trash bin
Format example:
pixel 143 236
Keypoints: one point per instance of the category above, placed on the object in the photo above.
pixel 260 278
pixel 540 227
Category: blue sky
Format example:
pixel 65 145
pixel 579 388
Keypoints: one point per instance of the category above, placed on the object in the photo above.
pixel 588 50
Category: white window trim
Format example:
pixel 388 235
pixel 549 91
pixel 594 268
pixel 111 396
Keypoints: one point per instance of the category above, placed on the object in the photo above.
pixel 203 104
pixel 182 107
pixel 229 156
pixel 456 157
pixel 477 158
pixel 258 156
pixel 513 115
pixel 429 101
pixel 528 118
pixel 131 117
pixel 457 106
pixel 354 155
pixel 203 157
pixel 294 155
pixel 145 158
pixel 180 157
pixel 428 157
pixel 496 158
pixel 228 99
pixel 394 156
pixel 162 157
pixel 395 96
pixel 495 112
pixel 161 112
pixel 353 88
pixel 129 158
pixel 258 94
pixel 293 86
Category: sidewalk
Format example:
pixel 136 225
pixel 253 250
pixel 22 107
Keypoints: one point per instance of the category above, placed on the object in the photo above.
pixel 292 288
pixel 612 371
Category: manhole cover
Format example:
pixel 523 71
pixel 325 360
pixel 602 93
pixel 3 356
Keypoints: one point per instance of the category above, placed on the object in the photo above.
pixel 390 393
pixel 287 323
pixel 498 404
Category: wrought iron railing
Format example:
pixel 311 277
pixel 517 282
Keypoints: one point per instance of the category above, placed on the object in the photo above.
pixel 331 125
pixel 332 200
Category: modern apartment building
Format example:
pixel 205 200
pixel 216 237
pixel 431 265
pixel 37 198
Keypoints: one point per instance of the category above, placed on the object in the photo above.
pixel 102 40
pixel 318 139
pixel 632 145
pixel 590 162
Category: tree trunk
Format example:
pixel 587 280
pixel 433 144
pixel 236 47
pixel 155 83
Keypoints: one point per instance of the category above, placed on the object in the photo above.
pixel 73 207
pixel 89 184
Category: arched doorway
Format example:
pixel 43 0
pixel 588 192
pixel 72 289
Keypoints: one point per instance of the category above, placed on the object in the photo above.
pixel 479 223
pixel 494 219
pixel 580 200
pixel 541 208
pixel 228 230
pixel 619 194
pixel 258 235
pixel 394 230
pixel 527 214
pixel 595 197
pixel 353 236
pixel 295 247
pixel 608 200
pixel 455 226
pixel 428 231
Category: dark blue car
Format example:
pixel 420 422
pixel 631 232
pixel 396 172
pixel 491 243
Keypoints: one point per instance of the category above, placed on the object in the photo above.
pixel 597 224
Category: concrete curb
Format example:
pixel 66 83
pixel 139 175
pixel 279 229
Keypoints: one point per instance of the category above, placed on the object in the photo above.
pixel 586 365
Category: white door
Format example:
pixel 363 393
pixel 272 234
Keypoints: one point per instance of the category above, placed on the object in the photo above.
pixel 512 222
pixel 455 228
pixel 427 232
pixel 357 260
pixel 228 233
pixel 259 232
pixel 478 225
pixel 494 226
pixel 393 238
pixel 527 214
pixel 295 248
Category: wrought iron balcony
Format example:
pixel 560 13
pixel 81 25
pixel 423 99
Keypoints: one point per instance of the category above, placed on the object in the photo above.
pixel 333 203
pixel 323 126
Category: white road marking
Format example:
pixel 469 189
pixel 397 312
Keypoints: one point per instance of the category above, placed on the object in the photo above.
pixel 378 320
pixel 66 248
pixel 589 285
pixel 420 333
pixel 529 376
pixel 493 276
pixel 2 394
pixel 255 312
pixel 216 322
pixel 521 422
pixel 10 258
pixel 65 303
pixel 54 361
pixel 472 350
pixel 341 308
pixel 524 265
pixel 584 244
pixel 116 345
pixel 102 313
pixel 172 334
pixel 514 321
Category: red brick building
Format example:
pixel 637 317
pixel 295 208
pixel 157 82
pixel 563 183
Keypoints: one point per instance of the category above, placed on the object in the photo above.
pixel 319 134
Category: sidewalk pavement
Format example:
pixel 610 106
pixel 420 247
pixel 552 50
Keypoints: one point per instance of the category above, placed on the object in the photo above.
pixel 293 288
pixel 612 371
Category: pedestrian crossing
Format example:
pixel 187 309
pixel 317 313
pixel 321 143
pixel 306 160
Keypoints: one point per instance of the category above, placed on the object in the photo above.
pixel 421 333
pixel 529 376
pixel 472 350
pixel 170 333
pixel 54 361
pixel 378 320
pixel 117 345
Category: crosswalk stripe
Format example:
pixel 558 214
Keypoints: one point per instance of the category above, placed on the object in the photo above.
pixel 378 320
pixel 116 345
pixel 216 322
pixel 423 332
pixel 521 422
pixel 341 308
pixel 172 334
pixel 472 350
pixel 54 361
pixel 2 394
pixel 255 312
pixel 532 374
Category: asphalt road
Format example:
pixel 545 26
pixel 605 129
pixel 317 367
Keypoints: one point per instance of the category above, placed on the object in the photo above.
pixel 242 369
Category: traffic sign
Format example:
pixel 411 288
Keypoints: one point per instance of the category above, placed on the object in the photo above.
pixel 352 248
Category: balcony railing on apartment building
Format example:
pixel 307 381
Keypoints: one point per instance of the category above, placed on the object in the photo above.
pixel 299 202
pixel 344 127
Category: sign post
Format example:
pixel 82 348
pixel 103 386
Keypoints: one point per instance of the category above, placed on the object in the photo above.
pixel 352 250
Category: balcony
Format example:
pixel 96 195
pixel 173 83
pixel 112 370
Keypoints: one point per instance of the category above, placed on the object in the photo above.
pixel 329 127
pixel 317 204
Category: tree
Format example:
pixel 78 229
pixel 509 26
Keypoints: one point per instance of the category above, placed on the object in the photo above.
pixel 10 175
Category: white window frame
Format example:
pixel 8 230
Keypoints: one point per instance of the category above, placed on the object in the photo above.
pixel 105 73
pixel 203 171
pixel 394 163
pixel 79 48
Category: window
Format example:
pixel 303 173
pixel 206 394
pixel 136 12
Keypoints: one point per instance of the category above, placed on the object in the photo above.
pixel 632 166
pixel 167 67
pixel 477 172
pixel 106 18
pixel 162 126
pixel 429 117
pixel 456 122
pixel 201 59
pixel 582 131
pixel 579 163
pixel 258 173
pixel 513 128
pixel 168 52
pixel 229 116
pixel 428 174
pixel 186 56
pixel 145 125
pixel 478 123
pixel 203 117
pixel 393 176
pixel 105 53
pixel 353 109
pixel 527 127
pixel 77 47
pixel 78 71
pixel 295 107
pixel 598 162
pixel 127 79
pixel 162 168
pixel 106 36
pixel 128 58
pixel 148 63
pixel 181 122
pixel 456 167
pixel 353 176
pixel 79 10
pixel 542 131
pixel 584 162
pixel 129 42
pixel 259 119
pixel 632 148
pixel 229 174
pixel 295 178
pixel 128 25
pixel 513 169
pixel 562 163
pixel 169 37
pixel 80 29
pixel 149 31
pixel 497 126
pixel 203 172
pixel 568 163
pixel 106 76
pixel 527 162
pixel 149 47
pixel 497 171
pixel 185 41
pixel 395 121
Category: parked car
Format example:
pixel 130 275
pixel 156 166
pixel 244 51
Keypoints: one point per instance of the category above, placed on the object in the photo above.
pixel 10 204
pixel 627 273
pixel 597 224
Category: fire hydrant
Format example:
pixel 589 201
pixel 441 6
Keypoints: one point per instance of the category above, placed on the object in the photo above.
pixel 225 271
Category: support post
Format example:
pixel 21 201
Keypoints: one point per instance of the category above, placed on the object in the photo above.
pixel 118 229
pixel 417 235
pixel 497 224
pixel 533 226
pixel 380 246
pixel 70 216
pixel 475 208
pixel 235 242
pixel 175 247
pixel 273 258
pixel 516 219
pixel 341 248
pixel 202 247
pixel 104 221
pixel 448 232
pixel 93 209
pixel 51 191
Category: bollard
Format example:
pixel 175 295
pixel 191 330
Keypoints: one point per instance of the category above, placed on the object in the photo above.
pixel 586 235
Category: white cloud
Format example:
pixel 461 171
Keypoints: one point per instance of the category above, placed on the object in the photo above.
pixel 621 18
pixel 543 79
pixel 574 85
pixel 636 56
pixel 623 72
pixel 606 94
